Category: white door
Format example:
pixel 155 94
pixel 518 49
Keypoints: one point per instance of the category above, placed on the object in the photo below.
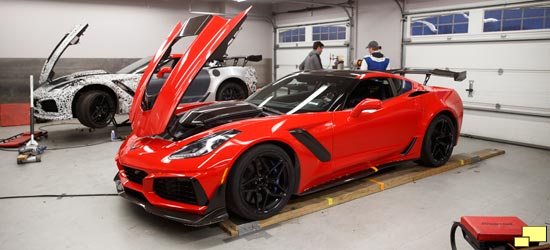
pixel 507 63
pixel 295 42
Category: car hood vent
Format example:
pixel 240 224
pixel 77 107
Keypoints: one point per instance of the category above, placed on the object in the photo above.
pixel 206 117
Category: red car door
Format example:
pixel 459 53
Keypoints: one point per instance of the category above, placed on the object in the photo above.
pixel 375 134
pixel 150 113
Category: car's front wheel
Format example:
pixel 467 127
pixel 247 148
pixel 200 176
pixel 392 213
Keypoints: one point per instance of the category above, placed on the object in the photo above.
pixel 231 91
pixel 260 183
pixel 438 142
pixel 95 108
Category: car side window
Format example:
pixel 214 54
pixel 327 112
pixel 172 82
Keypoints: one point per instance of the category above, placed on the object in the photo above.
pixel 375 88
pixel 401 86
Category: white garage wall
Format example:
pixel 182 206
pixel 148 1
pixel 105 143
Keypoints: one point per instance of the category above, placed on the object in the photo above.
pixel 118 29
pixel 315 15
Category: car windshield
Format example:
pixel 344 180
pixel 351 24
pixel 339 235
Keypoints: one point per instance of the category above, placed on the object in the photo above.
pixel 136 67
pixel 301 93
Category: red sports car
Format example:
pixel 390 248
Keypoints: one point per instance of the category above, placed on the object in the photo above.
pixel 195 163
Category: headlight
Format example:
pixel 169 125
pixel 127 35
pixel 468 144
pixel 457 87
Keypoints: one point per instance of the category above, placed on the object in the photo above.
pixel 65 84
pixel 204 145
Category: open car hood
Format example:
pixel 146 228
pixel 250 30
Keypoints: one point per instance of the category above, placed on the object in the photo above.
pixel 68 39
pixel 150 113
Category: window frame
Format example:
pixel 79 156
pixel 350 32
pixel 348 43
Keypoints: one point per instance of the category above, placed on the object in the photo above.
pixel 309 35
pixel 436 22
pixel 337 28
pixel 476 25
pixel 545 18
pixel 300 30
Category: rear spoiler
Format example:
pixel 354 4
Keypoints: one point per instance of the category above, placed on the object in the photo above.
pixel 457 76
pixel 252 58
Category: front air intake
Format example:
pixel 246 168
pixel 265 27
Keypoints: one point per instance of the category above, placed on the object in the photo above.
pixel 185 190
pixel 135 175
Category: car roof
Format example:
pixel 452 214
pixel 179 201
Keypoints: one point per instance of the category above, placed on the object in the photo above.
pixel 351 74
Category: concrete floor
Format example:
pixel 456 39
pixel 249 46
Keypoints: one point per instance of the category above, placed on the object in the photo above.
pixel 413 216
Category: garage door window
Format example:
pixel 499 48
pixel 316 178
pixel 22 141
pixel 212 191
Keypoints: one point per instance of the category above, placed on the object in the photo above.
pixel 441 24
pixel 328 33
pixel 292 35
pixel 527 18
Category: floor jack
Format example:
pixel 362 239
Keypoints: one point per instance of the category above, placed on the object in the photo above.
pixel 31 151
pixel 491 233
pixel 18 140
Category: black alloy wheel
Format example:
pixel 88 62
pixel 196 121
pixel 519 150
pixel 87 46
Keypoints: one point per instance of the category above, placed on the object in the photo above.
pixel 95 109
pixel 439 141
pixel 260 183
pixel 231 91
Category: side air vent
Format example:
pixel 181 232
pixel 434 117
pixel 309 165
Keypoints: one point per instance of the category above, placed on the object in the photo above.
pixel 409 147
pixel 417 93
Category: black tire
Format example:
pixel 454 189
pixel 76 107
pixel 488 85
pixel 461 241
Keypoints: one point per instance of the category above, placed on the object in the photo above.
pixel 231 91
pixel 438 143
pixel 95 108
pixel 260 183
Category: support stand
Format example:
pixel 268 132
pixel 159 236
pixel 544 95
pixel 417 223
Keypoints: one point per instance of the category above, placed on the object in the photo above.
pixel 31 151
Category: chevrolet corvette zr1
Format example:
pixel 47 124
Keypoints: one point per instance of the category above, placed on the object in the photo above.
pixel 195 163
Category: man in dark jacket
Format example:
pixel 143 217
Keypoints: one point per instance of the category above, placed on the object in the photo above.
pixel 312 60
pixel 375 60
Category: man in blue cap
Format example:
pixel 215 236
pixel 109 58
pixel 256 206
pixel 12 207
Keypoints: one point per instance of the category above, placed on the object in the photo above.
pixel 375 60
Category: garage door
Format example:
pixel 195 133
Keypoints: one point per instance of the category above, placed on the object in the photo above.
pixel 506 52
pixel 295 42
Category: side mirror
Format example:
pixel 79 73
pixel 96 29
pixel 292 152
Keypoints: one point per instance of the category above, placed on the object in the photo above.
pixel 365 105
pixel 163 71
pixel 254 58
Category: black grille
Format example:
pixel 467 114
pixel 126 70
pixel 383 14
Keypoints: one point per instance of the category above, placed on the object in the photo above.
pixel 49 106
pixel 135 175
pixel 186 190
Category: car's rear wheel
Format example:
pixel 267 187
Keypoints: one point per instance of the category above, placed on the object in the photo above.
pixel 438 142
pixel 260 183
pixel 95 108
pixel 230 90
